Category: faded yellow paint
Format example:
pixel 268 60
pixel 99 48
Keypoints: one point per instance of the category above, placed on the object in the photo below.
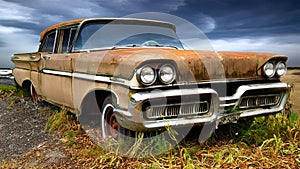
pixel 192 66
pixel 63 24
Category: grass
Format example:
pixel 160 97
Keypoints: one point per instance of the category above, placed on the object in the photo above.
pixel 10 92
pixel 7 89
pixel 266 142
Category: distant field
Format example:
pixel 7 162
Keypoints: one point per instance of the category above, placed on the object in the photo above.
pixel 293 77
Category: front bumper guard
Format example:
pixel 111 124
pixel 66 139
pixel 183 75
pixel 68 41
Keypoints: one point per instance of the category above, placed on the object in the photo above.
pixel 128 120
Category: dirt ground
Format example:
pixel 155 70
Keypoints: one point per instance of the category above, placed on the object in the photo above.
pixel 27 145
pixel 293 77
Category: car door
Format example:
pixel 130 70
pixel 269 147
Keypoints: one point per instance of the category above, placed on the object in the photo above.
pixel 56 75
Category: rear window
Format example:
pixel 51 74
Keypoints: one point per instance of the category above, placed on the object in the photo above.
pixel 48 43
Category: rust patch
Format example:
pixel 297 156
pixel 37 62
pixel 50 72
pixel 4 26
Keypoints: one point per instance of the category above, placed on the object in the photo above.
pixel 192 65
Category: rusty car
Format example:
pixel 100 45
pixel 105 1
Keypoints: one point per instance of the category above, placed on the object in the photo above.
pixel 148 80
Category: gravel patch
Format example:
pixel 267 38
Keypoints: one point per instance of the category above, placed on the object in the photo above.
pixel 7 81
pixel 22 126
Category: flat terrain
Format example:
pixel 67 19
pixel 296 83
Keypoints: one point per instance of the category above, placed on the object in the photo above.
pixel 293 77
pixel 26 143
pixel 6 81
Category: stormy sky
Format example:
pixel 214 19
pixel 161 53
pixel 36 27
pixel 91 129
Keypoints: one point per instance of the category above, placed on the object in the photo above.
pixel 230 25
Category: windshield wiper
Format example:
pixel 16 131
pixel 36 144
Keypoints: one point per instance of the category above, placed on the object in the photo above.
pixel 170 46
pixel 161 45
pixel 126 46
pixel 138 45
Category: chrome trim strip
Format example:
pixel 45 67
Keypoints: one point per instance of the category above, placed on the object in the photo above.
pixel 55 39
pixel 131 84
pixel 101 78
pixel 274 109
pixel 55 72
pixel 123 112
pixel 169 93
pixel 227 105
pixel 86 76
pixel 178 122
pixel 242 89
pixel 215 106
pixel 259 96
pixel 168 108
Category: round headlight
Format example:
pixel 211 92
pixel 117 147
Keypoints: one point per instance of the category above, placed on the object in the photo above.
pixel 269 69
pixel 147 75
pixel 167 74
pixel 281 69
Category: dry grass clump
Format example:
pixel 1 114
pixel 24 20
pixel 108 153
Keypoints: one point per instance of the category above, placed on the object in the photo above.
pixel 264 142
pixel 267 142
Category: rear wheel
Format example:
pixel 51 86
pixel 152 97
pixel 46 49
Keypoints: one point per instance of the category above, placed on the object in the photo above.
pixel 33 94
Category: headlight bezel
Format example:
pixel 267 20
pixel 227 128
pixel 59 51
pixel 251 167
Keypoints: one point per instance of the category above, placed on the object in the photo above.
pixel 265 67
pixel 173 75
pixel 140 74
pixel 277 68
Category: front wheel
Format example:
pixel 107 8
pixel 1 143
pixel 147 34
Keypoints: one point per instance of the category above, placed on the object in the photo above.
pixel 109 123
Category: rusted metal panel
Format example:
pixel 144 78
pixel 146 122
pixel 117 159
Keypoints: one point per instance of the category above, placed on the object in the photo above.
pixel 261 58
pixel 21 75
pixel 117 20
pixel 61 62
pixel 68 23
pixel 192 65
pixel 66 79
pixel 57 89
pixel 82 88
pixel 27 60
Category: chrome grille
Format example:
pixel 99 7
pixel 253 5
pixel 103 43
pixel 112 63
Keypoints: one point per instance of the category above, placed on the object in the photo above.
pixel 175 110
pixel 259 101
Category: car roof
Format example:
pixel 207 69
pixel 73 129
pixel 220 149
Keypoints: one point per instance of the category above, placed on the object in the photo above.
pixel 82 20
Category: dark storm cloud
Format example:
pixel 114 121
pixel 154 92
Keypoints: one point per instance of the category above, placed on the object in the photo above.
pixel 30 27
pixel 43 13
pixel 241 18
pixel 231 17
pixel 126 7
pixel 231 21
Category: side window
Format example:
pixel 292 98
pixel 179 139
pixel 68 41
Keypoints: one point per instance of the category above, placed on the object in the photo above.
pixel 48 43
pixel 72 35
pixel 67 36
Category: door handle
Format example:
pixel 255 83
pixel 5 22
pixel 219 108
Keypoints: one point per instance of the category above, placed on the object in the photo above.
pixel 15 57
pixel 46 57
pixel 32 57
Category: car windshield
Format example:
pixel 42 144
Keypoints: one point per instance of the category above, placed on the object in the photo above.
pixel 97 35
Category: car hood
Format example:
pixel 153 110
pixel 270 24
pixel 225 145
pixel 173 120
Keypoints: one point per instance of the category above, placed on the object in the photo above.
pixel 191 65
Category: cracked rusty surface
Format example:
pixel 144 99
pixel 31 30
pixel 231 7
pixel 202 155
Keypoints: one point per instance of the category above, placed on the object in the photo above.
pixel 121 64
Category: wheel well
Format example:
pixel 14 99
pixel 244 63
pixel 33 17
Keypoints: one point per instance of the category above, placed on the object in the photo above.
pixel 26 85
pixel 93 101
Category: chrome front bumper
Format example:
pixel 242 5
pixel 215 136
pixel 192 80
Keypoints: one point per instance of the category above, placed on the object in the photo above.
pixel 134 118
